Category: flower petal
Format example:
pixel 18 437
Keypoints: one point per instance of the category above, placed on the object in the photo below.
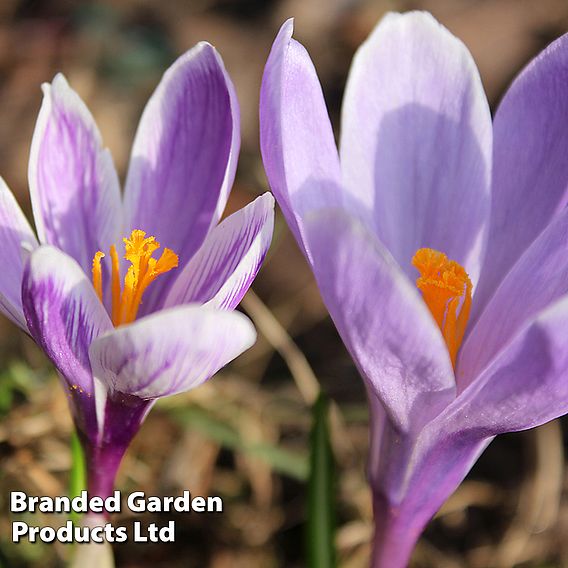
pixel 530 170
pixel 296 139
pixel 224 267
pixel 73 184
pixel 382 320
pixel 18 240
pixel 416 141
pixel 524 386
pixel 169 352
pixel 538 279
pixel 184 157
pixel 64 315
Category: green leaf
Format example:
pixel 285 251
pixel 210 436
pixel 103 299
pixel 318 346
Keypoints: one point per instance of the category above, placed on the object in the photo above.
pixel 16 382
pixel 78 476
pixel 281 460
pixel 321 491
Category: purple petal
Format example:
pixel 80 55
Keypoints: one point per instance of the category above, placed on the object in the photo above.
pixel 235 147
pixel 73 184
pixel 539 278
pixel 296 139
pixel 530 170
pixel 224 267
pixel 169 352
pixel 416 141
pixel 525 385
pixel 382 320
pixel 64 315
pixel 184 157
pixel 18 240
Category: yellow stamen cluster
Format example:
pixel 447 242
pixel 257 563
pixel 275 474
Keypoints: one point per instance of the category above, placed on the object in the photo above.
pixel 446 288
pixel 143 270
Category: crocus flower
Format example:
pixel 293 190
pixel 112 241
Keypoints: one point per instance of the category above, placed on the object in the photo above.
pixel 474 342
pixel 123 324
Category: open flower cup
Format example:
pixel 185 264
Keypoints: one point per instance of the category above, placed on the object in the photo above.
pixel 132 296
pixel 439 243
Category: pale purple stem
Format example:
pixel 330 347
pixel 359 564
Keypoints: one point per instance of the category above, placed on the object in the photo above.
pixel 393 540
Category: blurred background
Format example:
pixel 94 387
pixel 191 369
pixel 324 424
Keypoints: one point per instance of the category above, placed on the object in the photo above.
pixel 244 435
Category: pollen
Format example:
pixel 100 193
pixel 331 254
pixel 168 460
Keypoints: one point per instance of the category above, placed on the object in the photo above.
pixel 446 289
pixel 143 270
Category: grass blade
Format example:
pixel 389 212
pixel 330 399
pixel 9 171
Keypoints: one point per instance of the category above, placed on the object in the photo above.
pixel 321 491
pixel 77 476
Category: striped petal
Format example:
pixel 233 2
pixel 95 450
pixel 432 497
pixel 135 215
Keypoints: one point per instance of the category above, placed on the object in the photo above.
pixel 64 315
pixel 224 267
pixel 73 183
pixel 169 352
pixel 18 240
pixel 184 158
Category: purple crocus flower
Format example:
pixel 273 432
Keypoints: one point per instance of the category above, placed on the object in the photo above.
pixel 424 180
pixel 128 328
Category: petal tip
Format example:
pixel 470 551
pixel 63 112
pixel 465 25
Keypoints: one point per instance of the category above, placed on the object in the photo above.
pixel 288 27
pixel 201 51
pixel 60 80
pixel 267 198
pixel 407 22
pixel 285 33
pixel 206 49
pixel 60 90
pixel 246 329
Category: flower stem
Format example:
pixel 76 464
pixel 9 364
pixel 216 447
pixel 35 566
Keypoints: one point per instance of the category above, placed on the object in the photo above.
pixel 123 416
pixel 102 467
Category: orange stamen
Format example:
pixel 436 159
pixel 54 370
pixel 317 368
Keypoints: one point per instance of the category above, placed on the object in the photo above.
pixel 115 285
pixel 98 274
pixel 446 289
pixel 143 270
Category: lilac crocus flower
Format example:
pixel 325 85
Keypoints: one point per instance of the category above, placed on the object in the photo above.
pixel 126 329
pixel 424 180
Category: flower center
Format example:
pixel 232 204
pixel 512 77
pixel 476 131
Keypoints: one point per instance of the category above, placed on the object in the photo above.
pixel 143 270
pixel 446 289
